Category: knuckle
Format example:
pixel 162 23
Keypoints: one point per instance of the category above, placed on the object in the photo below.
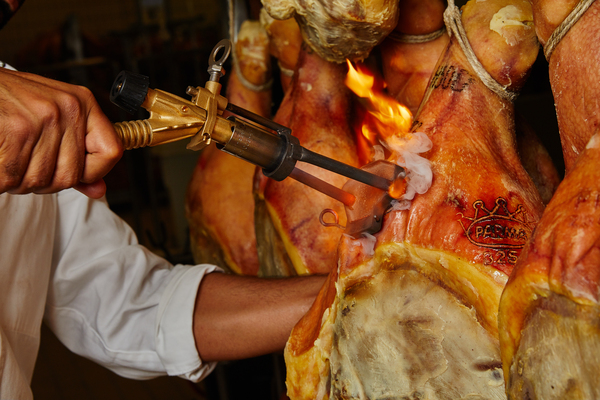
pixel 84 92
pixel 50 112
pixel 67 177
pixel 71 104
pixel 38 181
pixel 114 153
pixel 20 128
pixel 11 176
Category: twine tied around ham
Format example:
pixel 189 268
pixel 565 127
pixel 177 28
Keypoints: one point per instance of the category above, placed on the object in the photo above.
pixel 453 21
pixel 285 71
pixel 246 82
pixel 564 27
pixel 407 38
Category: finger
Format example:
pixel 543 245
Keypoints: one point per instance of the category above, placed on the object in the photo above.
pixel 13 164
pixel 102 144
pixel 69 163
pixel 18 137
pixel 70 159
pixel 40 170
pixel 93 190
pixel 58 157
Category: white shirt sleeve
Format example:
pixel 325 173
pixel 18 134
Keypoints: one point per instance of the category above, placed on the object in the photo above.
pixel 115 302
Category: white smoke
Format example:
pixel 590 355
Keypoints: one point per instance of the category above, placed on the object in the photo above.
pixel 418 169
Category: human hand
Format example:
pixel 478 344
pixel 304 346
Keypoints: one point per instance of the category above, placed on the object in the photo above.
pixel 53 136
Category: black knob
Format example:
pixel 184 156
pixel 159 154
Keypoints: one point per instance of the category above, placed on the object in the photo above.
pixel 129 91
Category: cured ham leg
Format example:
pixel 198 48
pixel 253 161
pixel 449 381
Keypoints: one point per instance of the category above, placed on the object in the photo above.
pixel 574 67
pixel 317 107
pixel 285 43
pixel 413 313
pixel 219 199
pixel 550 311
pixel 339 30
pixel 407 63
pixel 409 56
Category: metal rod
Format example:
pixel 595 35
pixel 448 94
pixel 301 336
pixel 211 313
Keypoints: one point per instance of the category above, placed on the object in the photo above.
pixel 249 115
pixel 344 169
pixel 315 158
pixel 323 187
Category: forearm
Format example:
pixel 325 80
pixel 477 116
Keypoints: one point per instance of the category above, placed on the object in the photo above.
pixel 239 317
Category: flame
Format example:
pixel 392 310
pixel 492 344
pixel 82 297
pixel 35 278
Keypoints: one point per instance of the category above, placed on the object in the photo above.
pixel 386 117
pixel 388 123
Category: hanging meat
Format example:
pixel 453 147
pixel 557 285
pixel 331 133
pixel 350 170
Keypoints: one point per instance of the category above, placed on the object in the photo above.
pixel 285 42
pixel 215 204
pixel 317 107
pixel 339 30
pixel 574 63
pixel 412 311
pixel 410 53
pixel 550 311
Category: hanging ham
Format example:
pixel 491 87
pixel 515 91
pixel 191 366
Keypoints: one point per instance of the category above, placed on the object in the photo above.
pixel 412 311
pixel 549 314
pixel 219 194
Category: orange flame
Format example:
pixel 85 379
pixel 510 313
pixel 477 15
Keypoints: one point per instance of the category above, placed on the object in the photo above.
pixel 385 117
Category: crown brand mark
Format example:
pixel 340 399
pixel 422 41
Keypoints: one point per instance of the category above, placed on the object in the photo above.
pixel 498 228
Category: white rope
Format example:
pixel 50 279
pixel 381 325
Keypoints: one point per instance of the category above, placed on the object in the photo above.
pixel 246 82
pixel 406 38
pixel 564 27
pixel 285 71
pixel 453 20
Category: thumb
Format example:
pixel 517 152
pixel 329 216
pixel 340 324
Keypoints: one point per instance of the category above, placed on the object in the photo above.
pixel 93 190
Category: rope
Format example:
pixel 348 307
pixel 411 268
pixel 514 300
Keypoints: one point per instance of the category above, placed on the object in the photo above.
pixel 285 71
pixel 452 18
pixel 406 38
pixel 564 27
pixel 246 82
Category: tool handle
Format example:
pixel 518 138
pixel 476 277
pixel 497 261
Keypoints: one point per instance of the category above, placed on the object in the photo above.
pixel 134 134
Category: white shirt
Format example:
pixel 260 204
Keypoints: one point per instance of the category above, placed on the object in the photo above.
pixel 70 260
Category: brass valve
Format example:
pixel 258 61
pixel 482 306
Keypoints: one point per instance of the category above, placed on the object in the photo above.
pixel 172 117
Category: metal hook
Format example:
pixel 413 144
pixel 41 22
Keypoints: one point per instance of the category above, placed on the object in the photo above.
pixel 215 67
pixel 335 216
